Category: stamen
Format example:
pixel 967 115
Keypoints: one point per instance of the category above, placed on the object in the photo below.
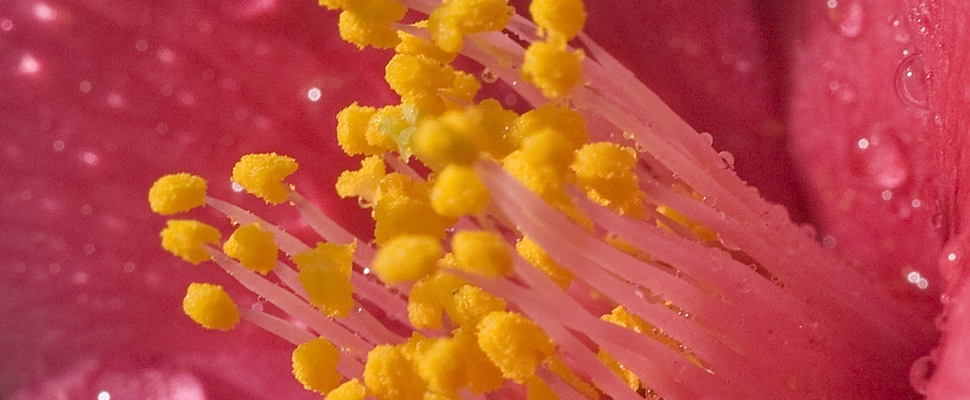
pixel 643 269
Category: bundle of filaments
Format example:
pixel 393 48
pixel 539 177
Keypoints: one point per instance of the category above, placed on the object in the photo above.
pixel 532 254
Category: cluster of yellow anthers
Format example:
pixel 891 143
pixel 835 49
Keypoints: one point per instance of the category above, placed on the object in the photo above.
pixel 454 312
pixel 439 122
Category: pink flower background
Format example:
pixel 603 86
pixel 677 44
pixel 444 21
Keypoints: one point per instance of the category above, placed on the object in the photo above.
pixel 823 105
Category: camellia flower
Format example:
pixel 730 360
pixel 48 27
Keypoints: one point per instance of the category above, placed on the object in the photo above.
pixel 147 55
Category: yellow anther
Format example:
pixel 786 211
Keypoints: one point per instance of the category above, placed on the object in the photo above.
pixel 350 390
pixel 187 239
pixel 325 274
pixel 620 370
pixel 561 19
pixel 390 128
pixel 482 253
pixel 339 257
pixel 457 191
pixel 462 90
pixel 481 374
pixel 363 182
pixel 514 343
pixel 553 69
pixel 407 258
pixel 545 180
pixel 441 366
pixel 417 46
pixel 537 389
pixel 176 193
pixel 451 139
pixel 403 207
pixel 368 22
pixel 605 171
pixel 496 128
pixel 454 19
pixel 210 306
pixel 409 75
pixel 253 247
pixel 566 374
pixel 548 147
pixel 470 304
pixel 535 255
pixel 332 4
pixel 352 130
pixel 315 365
pixel 562 119
pixel 416 345
pixel 428 297
pixel 390 375
pixel 262 175
pixel 703 232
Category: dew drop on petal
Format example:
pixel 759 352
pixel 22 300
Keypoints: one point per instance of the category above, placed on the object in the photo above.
pixel 910 81
pixel 314 94
pixel 44 12
pixel 707 138
pixel 488 76
pixel 879 160
pixel 920 374
pixel 846 16
pixel 28 65
pixel 727 158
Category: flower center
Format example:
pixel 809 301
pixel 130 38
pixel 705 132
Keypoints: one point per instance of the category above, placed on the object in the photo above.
pixel 625 261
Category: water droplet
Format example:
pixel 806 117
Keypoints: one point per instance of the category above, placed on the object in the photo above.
pixel 727 243
pixel 828 241
pixel 920 374
pixel 900 29
pixel 808 230
pixel 910 81
pixel 727 158
pixel 846 17
pixel 707 138
pixel 843 91
pixel 488 76
pixel 879 159
pixel 314 94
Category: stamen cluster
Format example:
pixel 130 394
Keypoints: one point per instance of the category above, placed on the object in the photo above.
pixel 627 263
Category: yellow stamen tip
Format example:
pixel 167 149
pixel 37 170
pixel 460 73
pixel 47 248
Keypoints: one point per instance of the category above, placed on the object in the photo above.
pixel 253 247
pixel 388 374
pixel 407 258
pixel 481 252
pixel 352 130
pixel 315 365
pixel 457 191
pixel 176 193
pixel 350 390
pixel 552 68
pixel 514 343
pixel 210 306
pixel 537 256
pixel 187 238
pixel 262 175
pixel 605 171
pixel 562 19
pixel 454 19
pixel 325 274
pixel 470 304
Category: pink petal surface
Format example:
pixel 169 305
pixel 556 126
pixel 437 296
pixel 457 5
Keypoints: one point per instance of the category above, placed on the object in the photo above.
pixel 108 95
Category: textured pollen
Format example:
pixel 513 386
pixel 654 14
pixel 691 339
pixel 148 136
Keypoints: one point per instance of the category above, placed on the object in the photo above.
pixel 210 306
pixel 315 365
pixel 176 193
pixel 262 175
pixel 187 239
